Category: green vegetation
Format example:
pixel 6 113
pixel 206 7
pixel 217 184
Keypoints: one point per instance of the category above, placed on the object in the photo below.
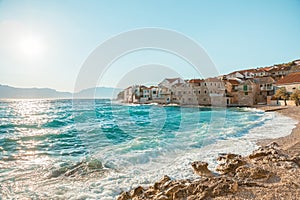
pixel 281 93
pixel 296 97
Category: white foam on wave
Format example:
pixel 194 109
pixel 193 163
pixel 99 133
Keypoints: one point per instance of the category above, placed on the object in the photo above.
pixel 178 164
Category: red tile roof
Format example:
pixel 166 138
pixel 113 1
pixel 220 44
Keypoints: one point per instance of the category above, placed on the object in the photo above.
pixel 233 82
pixel 196 81
pixel 214 79
pixel 291 78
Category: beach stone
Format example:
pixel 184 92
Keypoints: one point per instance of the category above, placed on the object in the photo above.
pixel 200 168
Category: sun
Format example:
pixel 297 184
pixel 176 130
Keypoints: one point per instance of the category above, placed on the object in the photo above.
pixel 31 46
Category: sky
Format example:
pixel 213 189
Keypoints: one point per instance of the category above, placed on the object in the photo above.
pixel 46 43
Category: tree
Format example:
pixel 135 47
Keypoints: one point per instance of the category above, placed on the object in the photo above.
pixel 296 97
pixel 281 93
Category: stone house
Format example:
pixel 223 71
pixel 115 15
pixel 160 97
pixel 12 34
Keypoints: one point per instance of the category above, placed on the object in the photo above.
pixel 247 92
pixel 200 91
pixel 265 87
pixel 216 91
pixel 231 90
pixel 184 94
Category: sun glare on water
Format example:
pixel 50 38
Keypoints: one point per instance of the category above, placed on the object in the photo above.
pixel 31 46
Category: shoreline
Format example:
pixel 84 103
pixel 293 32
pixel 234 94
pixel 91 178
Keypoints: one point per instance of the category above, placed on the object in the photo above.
pixel 293 139
pixel 271 172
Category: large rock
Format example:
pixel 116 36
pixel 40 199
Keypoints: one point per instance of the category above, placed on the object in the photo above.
pixel 229 163
pixel 162 182
pixel 201 169
pixel 124 196
pixel 246 172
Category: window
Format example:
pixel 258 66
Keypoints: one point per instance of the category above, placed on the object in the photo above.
pixel 205 91
pixel 246 93
pixel 199 91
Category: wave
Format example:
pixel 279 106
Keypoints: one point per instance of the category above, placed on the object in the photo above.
pixel 82 168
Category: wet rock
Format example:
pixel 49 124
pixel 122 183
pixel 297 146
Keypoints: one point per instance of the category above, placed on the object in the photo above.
pixel 266 167
pixel 170 191
pixel 180 194
pixel 124 196
pixel 296 160
pixel 137 191
pixel 150 192
pixel 271 149
pixel 161 182
pixel 162 197
pixel 201 169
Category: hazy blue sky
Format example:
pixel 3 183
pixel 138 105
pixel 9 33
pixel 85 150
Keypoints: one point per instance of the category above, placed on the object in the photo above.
pixel 44 43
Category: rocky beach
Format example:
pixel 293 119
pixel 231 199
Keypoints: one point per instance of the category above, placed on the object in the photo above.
pixel 270 172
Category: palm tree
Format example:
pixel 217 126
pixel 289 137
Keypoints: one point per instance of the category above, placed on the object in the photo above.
pixel 296 97
pixel 281 93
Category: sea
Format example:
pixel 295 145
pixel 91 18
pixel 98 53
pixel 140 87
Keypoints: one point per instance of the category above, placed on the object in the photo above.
pixel 95 149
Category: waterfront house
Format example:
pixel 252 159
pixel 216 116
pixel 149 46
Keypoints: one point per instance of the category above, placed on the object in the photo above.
pixel 216 91
pixel 200 91
pixel 291 82
pixel 265 87
pixel 145 93
pixel 247 92
pixel 184 94
pixel 231 90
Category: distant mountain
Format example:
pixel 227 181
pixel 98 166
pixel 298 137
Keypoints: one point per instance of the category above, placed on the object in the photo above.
pixel 98 92
pixel 8 92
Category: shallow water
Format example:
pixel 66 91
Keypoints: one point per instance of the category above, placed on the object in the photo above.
pixel 95 149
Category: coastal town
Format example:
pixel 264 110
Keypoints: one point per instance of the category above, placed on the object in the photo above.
pixel 273 85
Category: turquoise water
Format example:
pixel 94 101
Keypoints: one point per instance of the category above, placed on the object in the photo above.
pixel 94 149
